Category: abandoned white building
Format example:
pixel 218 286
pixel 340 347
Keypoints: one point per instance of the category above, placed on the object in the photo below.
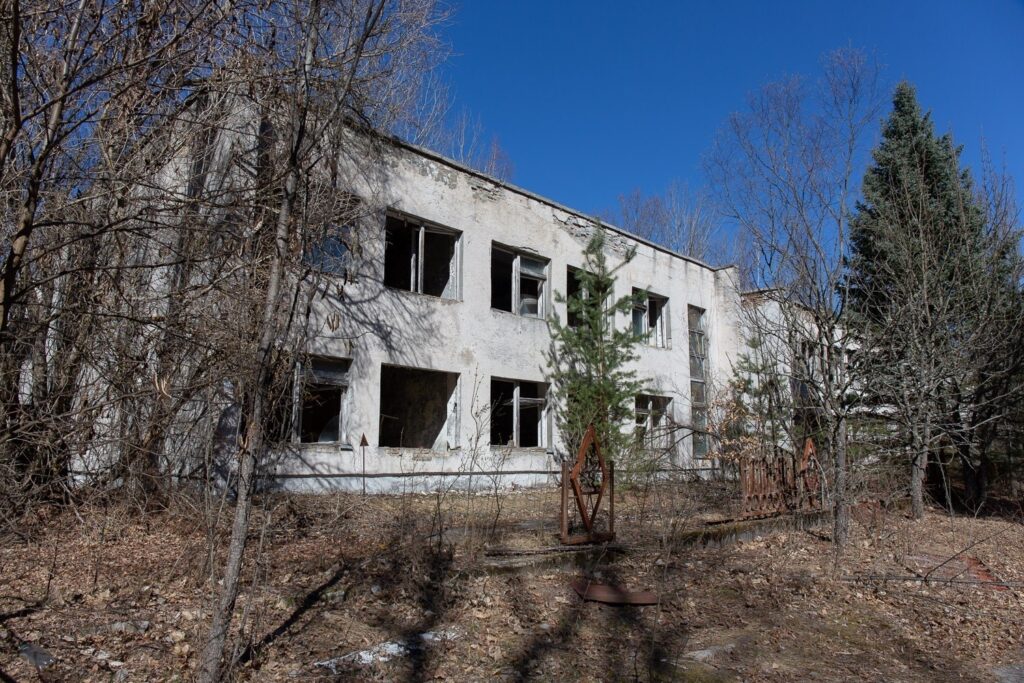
pixel 443 316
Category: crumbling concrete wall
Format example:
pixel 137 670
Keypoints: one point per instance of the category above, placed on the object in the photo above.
pixel 374 325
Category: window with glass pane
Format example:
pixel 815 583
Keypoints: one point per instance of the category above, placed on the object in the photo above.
pixel 518 283
pixel 695 319
pixel 651 417
pixel 639 314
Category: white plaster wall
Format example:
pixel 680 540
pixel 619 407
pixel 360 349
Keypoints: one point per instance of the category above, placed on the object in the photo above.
pixel 380 325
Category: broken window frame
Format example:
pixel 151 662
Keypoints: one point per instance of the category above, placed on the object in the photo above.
pixel 696 322
pixel 321 372
pixel 448 435
pixel 652 432
pixel 517 402
pixel 330 253
pixel 648 306
pixel 519 274
pixel 417 255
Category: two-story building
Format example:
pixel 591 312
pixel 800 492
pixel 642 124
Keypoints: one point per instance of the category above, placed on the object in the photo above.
pixel 430 367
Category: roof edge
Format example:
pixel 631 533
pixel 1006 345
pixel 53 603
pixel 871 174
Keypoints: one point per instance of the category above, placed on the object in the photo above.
pixel 436 156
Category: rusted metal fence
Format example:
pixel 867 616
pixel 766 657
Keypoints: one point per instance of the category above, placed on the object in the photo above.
pixel 780 482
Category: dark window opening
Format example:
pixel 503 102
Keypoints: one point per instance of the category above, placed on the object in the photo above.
pixel 502 412
pixel 502 268
pixel 438 258
pixel 417 408
pixel 518 416
pixel 400 254
pixel 320 404
pixel 420 259
pixel 321 414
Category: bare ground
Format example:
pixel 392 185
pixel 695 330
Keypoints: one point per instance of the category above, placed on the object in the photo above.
pixel 111 595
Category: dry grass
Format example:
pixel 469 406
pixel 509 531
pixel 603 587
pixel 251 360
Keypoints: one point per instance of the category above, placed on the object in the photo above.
pixel 330 575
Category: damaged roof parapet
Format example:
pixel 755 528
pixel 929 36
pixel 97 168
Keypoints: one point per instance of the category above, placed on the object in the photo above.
pixel 581 219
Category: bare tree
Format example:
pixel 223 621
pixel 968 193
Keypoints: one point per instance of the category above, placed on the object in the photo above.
pixel 934 293
pixel 167 172
pixel 681 219
pixel 784 173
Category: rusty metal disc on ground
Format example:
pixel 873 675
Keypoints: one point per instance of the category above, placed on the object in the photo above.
pixel 612 595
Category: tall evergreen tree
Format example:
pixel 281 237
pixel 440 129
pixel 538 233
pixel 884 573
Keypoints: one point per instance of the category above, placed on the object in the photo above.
pixel 914 198
pixel 931 290
pixel 589 359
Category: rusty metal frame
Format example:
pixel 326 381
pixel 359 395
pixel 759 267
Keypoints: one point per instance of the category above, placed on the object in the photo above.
pixel 572 477
pixel 774 484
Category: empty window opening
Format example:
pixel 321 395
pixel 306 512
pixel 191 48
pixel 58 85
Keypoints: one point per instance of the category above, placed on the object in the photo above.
pixel 573 290
pixel 653 426
pixel 518 413
pixel 418 408
pixel 421 259
pixel 321 401
pixel 518 283
pixel 650 318
pixel 502 270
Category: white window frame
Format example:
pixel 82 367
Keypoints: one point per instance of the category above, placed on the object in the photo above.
pixel 517 279
pixel 656 412
pixel 517 401
pixel 416 258
pixel 660 337
pixel 307 374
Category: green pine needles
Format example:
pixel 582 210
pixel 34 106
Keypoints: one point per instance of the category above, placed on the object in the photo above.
pixel 589 359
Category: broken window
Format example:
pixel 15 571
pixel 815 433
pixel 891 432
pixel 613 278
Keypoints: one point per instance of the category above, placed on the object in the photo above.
pixel 320 404
pixel 420 258
pixel 518 413
pixel 695 318
pixel 518 283
pixel 652 422
pixel 329 254
pixel 330 251
pixel 650 318
pixel 418 408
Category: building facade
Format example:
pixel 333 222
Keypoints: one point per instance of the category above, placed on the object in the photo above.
pixel 427 359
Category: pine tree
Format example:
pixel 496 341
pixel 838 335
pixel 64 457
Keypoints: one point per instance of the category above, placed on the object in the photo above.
pixel 930 289
pixel 589 359
pixel 917 217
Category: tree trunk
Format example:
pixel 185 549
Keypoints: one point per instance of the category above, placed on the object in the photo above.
pixel 919 465
pixel 210 664
pixel 841 530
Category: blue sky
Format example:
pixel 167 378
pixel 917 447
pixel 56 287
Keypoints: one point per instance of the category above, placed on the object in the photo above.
pixel 592 99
